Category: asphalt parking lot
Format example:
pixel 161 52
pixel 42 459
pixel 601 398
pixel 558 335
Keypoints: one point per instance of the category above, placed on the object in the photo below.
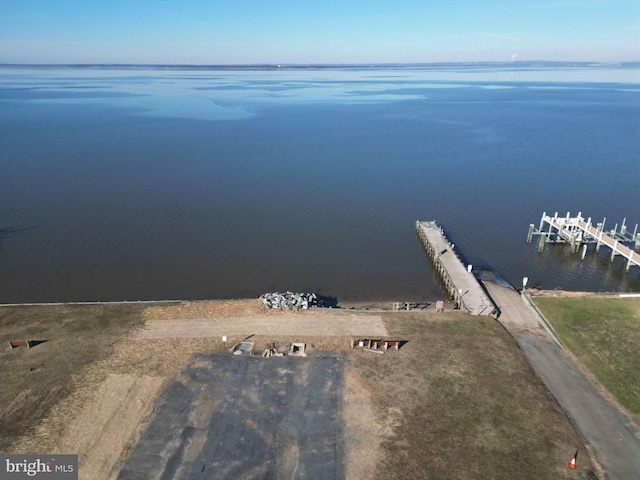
pixel 240 417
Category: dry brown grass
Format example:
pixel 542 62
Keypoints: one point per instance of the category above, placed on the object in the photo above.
pixel 457 401
pixel 205 309
pixel 35 380
pixel 463 403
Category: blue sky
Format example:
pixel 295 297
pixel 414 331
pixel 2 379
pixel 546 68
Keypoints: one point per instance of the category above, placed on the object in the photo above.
pixel 347 31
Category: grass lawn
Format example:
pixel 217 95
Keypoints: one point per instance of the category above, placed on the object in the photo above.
pixel 604 333
pixel 33 380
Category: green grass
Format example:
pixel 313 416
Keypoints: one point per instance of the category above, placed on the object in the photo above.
pixel 34 380
pixel 604 333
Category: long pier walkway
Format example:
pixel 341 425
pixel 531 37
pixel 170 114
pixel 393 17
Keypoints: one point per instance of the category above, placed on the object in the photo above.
pixel 460 283
pixel 579 231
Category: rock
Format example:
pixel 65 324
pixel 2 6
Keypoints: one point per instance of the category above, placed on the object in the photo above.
pixel 288 301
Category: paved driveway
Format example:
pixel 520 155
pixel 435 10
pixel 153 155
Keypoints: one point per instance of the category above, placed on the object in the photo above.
pixel 603 427
pixel 608 432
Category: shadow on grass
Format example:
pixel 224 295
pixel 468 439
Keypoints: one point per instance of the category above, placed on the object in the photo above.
pixel 25 343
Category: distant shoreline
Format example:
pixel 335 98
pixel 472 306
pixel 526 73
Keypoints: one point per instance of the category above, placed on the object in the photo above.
pixel 348 303
pixel 330 66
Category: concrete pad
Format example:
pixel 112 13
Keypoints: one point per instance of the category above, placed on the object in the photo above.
pixel 514 314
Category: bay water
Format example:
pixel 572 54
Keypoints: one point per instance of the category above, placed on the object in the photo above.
pixel 162 183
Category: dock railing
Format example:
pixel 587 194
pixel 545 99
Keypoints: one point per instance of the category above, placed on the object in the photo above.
pixel 460 283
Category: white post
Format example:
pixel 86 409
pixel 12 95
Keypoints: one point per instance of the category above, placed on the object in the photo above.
pixel 599 240
pixel 613 250
pixel 629 260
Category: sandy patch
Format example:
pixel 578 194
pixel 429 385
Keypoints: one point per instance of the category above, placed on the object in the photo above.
pixel 109 426
pixel 274 325
pixel 363 430
pixel 205 309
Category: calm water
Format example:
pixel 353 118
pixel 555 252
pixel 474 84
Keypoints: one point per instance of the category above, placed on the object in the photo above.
pixel 156 184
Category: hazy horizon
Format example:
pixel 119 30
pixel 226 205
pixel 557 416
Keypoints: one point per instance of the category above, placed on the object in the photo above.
pixel 317 32
pixel 479 63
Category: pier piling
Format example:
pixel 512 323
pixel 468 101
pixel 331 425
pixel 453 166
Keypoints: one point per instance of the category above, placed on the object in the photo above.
pixel 578 232
pixel 530 234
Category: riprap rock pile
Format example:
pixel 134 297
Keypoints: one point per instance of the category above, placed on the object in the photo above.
pixel 288 300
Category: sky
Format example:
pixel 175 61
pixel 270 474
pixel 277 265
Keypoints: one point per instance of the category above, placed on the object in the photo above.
pixel 310 31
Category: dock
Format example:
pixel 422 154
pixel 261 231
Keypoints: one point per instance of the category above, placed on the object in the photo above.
pixel 578 232
pixel 460 283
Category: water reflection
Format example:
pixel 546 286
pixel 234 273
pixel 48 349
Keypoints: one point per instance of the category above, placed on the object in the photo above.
pixel 177 184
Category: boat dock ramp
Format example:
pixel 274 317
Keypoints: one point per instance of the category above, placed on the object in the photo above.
pixel 579 232
pixel 460 283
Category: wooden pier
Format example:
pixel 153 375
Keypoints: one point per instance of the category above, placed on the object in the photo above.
pixel 460 283
pixel 579 232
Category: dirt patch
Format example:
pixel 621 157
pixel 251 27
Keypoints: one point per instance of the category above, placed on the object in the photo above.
pixel 572 294
pixel 108 425
pixel 205 309
pixel 274 325
pixel 364 431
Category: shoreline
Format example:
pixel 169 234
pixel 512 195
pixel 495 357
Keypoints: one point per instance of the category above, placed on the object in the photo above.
pixel 348 304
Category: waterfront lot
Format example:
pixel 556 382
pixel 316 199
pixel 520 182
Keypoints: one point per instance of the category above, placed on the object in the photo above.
pixel 34 380
pixel 458 400
pixel 604 334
